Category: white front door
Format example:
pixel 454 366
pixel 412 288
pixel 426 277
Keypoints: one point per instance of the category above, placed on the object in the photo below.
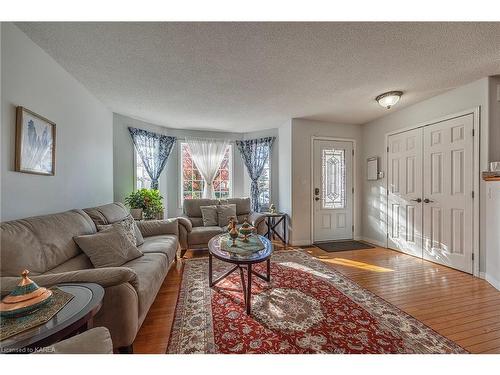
pixel 332 190
pixel 405 192
pixel 448 185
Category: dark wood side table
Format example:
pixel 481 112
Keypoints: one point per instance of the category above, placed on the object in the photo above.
pixel 241 263
pixel 273 220
pixel 72 319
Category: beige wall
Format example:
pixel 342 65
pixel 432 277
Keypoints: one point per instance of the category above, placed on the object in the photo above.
pixel 374 143
pixel 302 133
pixel 84 150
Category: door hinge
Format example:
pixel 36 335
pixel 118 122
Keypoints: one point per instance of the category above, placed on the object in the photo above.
pixel 353 229
pixel 472 256
pixel 473 195
pixel 352 152
pixel 353 190
pixel 387 148
pixel 473 132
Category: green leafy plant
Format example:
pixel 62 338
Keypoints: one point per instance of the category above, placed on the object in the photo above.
pixel 150 200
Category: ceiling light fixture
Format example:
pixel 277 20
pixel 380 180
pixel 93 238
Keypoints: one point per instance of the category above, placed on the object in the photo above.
pixel 388 99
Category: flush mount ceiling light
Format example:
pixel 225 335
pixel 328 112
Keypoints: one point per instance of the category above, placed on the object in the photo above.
pixel 388 99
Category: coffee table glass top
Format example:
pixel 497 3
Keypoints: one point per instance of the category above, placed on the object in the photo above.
pixel 255 257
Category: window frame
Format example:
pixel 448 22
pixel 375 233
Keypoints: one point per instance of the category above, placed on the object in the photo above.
pixel 180 185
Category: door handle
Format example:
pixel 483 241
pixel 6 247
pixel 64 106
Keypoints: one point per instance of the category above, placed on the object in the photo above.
pixel 316 191
pixel 427 200
pixel 316 199
pixel 418 200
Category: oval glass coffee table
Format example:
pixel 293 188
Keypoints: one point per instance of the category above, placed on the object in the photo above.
pixel 241 263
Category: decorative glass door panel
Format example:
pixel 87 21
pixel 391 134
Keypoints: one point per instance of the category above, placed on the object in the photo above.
pixel 333 178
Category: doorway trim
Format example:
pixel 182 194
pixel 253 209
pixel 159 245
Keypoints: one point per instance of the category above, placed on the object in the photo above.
pixel 355 234
pixel 476 112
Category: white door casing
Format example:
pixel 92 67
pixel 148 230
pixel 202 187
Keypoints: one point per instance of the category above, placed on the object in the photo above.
pixel 405 192
pixel 332 193
pixel 448 185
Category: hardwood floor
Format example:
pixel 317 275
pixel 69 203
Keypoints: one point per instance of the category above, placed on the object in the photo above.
pixel 457 305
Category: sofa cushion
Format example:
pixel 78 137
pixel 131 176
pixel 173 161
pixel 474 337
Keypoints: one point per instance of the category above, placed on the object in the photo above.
pixel 128 226
pixel 164 244
pixel 224 213
pixel 108 213
pixel 243 206
pixel 201 235
pixel 191 207
pixel 151 270
pixel 209 215
pixel 41 243
pixel 108 248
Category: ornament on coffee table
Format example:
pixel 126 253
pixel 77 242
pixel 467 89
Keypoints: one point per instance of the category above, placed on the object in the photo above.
pixel 233 232
pixel 272 208
pixel 246 230
pixel 26 298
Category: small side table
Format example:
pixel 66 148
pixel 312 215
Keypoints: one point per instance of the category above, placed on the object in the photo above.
pixel 76 317
pixel 273 220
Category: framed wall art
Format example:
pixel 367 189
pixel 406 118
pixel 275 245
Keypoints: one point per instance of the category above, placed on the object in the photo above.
pixel 35 143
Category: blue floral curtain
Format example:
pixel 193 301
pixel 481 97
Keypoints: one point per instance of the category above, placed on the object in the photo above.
pixel 254 153
pixel 154 150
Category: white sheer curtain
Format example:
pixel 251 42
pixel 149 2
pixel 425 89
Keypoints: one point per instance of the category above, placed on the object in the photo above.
pixel 207 154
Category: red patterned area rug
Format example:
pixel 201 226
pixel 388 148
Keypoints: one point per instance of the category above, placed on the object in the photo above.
pixel 307 308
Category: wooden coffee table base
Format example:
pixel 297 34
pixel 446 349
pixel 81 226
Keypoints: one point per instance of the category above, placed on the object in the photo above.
pixel 247 287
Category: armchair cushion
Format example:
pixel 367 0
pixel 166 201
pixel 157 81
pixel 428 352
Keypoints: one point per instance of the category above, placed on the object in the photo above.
pixel 93 341
pixel 201 235
pixel 225 212
pixel 106 277
pixel 150 228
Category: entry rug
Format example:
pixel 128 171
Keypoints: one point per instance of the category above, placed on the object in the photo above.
pixel 307 308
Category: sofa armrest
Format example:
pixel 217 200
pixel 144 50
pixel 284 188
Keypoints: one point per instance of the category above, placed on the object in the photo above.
pixel 255 218
pixel 107 276
pixel 94 341
pixel 150 228
pixel 186 223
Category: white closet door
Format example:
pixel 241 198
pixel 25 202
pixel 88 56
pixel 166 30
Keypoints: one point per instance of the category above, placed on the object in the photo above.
pixel 405 192
pixel 448 185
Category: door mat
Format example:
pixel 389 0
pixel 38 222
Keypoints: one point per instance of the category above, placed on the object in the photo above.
pixel 333 246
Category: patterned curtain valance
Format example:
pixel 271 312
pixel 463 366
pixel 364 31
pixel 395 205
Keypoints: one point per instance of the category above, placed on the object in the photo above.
pixel 154 149
pixel 254 153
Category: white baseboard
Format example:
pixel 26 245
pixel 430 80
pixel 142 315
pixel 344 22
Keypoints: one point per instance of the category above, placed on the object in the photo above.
pixel 492 281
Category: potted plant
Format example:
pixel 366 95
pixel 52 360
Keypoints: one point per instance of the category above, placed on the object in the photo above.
pixel 145 202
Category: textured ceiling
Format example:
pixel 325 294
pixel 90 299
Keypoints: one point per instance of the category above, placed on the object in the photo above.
pixel 249 76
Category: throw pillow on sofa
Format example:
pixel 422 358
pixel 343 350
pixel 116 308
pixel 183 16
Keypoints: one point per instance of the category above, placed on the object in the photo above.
pixel 209 215
pixel 131 229
pixel 109 248
pixel 225 212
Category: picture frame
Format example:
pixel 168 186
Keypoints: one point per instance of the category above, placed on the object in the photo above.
pixel 35 143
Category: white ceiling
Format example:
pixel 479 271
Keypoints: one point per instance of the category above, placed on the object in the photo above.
pixel 249 76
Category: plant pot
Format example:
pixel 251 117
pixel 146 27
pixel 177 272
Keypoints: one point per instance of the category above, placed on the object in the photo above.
pixel 136 213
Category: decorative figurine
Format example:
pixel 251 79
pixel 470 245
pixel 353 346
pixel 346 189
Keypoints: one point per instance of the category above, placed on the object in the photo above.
pixel 25 298
pixel 272 208
pixel 246 230
pixel 233 232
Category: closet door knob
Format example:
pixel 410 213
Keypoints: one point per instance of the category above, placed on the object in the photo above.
pixel 427 200
pixel 418 200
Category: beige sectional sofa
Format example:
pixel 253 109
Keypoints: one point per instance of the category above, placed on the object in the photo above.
pixel 192 233
pixel 45 246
